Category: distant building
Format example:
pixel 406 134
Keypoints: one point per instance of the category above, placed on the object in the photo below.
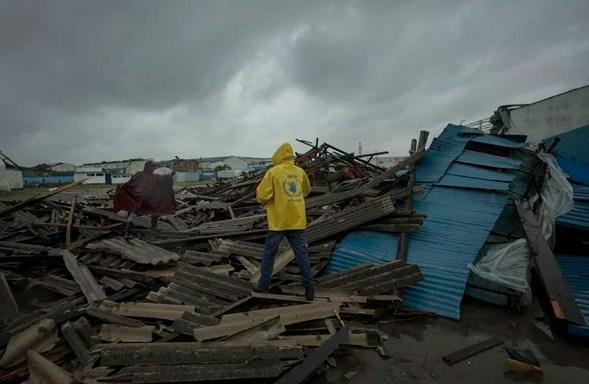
pixel 386 162
pixel 63 168
pixel 48 174
pixel 109 172
pixel 212 168
pixel 10 176
pixel 565 115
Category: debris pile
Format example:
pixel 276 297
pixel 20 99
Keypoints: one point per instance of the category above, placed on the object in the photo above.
pixel 81 302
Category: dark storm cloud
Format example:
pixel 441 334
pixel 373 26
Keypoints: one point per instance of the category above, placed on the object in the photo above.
pixel 85 81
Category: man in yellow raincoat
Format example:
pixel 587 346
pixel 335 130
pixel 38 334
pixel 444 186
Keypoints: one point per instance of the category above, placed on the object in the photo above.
pixel 282 191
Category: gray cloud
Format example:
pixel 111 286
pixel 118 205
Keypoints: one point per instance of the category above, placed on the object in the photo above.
pixel 86 81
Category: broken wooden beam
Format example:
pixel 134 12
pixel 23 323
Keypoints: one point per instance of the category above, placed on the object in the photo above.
pixel 472 350
pixel 187 353
pixel 559 294
pixel 82 275
pixel 302 371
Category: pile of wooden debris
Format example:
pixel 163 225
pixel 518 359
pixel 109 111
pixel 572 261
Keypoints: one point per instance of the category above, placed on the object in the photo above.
pixel 83 303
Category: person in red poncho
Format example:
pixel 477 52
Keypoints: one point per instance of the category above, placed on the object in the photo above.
pixel 146 194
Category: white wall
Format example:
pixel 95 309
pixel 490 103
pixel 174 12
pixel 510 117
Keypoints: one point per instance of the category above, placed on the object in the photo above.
pixel 92 177
pixel 10 178
pixel 552 116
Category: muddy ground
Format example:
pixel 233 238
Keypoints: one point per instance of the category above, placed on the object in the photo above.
pixel 416 350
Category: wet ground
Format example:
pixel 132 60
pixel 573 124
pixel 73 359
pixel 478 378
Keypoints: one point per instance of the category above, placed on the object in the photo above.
pixel 417 348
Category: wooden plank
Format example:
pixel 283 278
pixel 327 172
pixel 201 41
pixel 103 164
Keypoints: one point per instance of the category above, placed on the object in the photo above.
pixel 205 372
pixel 227 329
pixel 118 333
pixel 302 371
pixel 88 284
pixel 251 267
pixel 472 350
pixel 75 342
pixel 146 310
pixel 280 262
pixel 290 315
pixel 36 199
pixel 188 353
pixel 267 330
pixel 112 318
pixel 70 221
pixel 559 293
pixel 353 339
pixel 288 298
pixel 9 307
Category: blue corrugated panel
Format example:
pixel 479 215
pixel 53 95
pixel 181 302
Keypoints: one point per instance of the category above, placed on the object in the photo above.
pixel 363 247
pixel 573 144
pixel 458 222
pixel 497 141
pixel 458 169
pixel 457 225
pixel 486 160
pixel 469 182
pixel 576 273
pixel 577 172
pixel 439 157
pixel 578 217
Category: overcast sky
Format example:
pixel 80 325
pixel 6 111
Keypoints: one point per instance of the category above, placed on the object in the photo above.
pixel 87 81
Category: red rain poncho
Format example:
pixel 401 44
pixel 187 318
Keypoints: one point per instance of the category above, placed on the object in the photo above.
pixel 146 194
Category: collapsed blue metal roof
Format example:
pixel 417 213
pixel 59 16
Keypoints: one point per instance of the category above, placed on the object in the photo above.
pixel 578 217
pixel 465 194
pixel 573 144
pixel 361 247
pixel 576 172
pixel 575 270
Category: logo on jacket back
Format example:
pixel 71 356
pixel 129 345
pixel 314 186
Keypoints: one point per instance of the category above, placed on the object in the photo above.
pixel 292 187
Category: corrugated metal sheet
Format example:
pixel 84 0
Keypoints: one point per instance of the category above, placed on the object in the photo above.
pixel 458 169
pixel 578 217
pixel 576 273
pixel 362 247
pixel 474 183
pixel 497 141
pixel 577 172
pixel 459 219
pixel 573 144
pixel 487 160
pixel 439 157
pixel 457 225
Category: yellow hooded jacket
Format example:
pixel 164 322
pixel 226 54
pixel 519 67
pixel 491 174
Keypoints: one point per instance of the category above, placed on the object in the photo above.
pixel 283 190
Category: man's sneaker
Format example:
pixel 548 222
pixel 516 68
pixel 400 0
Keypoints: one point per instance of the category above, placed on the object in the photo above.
pixel 309 294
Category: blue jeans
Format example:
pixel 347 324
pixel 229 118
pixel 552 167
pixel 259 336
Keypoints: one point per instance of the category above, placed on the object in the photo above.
pixel 298 244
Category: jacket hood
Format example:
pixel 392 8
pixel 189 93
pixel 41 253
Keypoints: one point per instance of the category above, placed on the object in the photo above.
pixel 283 154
